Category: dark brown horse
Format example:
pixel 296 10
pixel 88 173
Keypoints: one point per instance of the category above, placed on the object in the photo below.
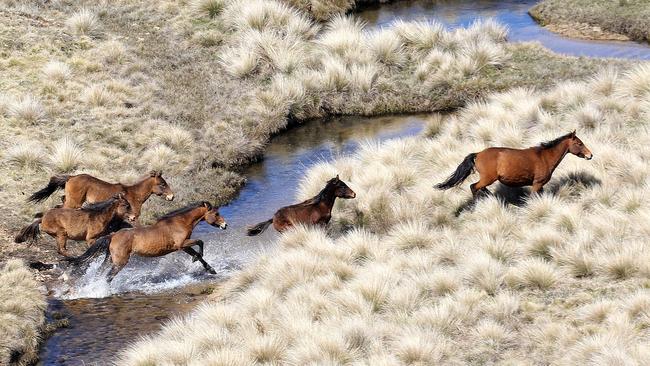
pixel 517 167
pixel 85 188
pixel 86 223
pixel 169 234
pixel 314 211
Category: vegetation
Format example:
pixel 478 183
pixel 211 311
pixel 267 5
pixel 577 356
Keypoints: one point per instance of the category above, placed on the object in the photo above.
pixel 22 314
pixel 420 276
pixel 628 17
pixel 119 88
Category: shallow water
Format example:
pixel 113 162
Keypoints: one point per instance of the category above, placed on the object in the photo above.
pixel 104 319
pixel 514 14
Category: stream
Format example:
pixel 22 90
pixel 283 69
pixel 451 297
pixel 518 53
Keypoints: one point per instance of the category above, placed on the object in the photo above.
pixel 104 319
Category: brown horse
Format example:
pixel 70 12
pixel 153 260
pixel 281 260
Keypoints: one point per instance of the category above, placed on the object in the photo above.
pixel 169 234
pixel 85 188
pixel 517 167
pixel 314 211
pixel 86 223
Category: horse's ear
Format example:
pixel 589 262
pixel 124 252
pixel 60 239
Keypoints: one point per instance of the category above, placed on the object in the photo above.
pixel 207 205
pixel 573 133
pixel 159 173
pixel 337 177
pixel 152 173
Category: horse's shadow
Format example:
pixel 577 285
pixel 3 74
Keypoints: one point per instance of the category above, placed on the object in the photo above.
pixel 517 196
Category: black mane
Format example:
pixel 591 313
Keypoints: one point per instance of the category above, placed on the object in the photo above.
pixel 98 207
pixel 317 198
pixel 555 142
pixel 185 209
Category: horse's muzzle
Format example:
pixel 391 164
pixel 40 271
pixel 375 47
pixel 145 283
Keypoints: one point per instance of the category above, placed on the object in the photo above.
pixel 352 195
pixel 589 157
pixel 169 197
pixel 223 226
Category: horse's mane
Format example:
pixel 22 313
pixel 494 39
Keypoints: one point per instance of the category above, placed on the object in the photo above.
pixel 98 207
pixel 552 143
pixel 317 198
pixel 185 209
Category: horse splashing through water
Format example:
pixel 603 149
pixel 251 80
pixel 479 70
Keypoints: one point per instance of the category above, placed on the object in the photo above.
pixel 87 223
pixel 314 211
pixel 533 166
pixel 86 188
pixel 169 234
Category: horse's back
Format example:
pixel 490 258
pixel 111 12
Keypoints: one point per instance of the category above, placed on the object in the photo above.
pixel 74 222
pixel 86 188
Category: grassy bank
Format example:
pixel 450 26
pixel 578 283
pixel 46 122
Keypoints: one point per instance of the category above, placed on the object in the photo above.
pixel 627 17
pixel 560 278
pixel 22 314
pixel 196 89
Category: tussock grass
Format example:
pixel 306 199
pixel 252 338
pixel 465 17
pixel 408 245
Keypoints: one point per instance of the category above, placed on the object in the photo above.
pixel 83 22
pixel 554 279
pixel 66 154
pixel 22 314
pixel 27 108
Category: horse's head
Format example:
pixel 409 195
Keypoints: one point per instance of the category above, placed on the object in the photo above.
pixel 213 217
pixel 578 148
pixel 341 190
pixel 160 186
pixel 123 207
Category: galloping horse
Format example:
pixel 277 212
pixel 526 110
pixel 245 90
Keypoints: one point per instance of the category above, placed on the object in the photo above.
pixel 169 234
pixel 316 210
pixel 85 188
pixel 87 223
pixel 517 167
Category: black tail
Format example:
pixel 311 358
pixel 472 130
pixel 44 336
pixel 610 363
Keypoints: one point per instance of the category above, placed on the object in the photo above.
pixel 259 228
pixel 56 182
pixel 101 245
pixel 30 232
pixel 462 172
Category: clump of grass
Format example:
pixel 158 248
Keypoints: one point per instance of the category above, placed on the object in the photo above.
pixel 27 109
pixel 83 22
pixel 57 71
pixel 98 96
pixel 66 154
pixel 26 154
pixel 208 8
pixel 22 310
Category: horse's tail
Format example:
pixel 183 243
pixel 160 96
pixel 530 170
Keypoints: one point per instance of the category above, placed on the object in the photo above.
pixel 462 172
pixel 30 232
pixel 56 182
pixel 101 245
pixel 259 228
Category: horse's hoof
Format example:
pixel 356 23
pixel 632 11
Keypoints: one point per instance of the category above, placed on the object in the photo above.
pixel 194 259
pixel 212 271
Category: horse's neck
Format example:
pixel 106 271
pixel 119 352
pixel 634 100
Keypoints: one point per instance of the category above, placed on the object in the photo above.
pixel 140 191
pixel 327 199
pixel 194 217
pixel 555 155
pixel 108 214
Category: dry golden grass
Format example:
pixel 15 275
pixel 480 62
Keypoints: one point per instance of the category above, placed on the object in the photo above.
pixel 22 314
pixel 559 278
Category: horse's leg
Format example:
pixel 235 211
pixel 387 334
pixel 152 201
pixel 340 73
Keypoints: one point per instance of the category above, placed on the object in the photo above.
pixel 481 185
pixel 191 242
pixel 61 240
pixel 538 188
pixel 196 256
pixel 187 248
pixel 115 269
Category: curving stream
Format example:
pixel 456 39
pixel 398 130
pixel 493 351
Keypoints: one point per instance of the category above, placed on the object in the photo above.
pixel 514 14
pixel 104 320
